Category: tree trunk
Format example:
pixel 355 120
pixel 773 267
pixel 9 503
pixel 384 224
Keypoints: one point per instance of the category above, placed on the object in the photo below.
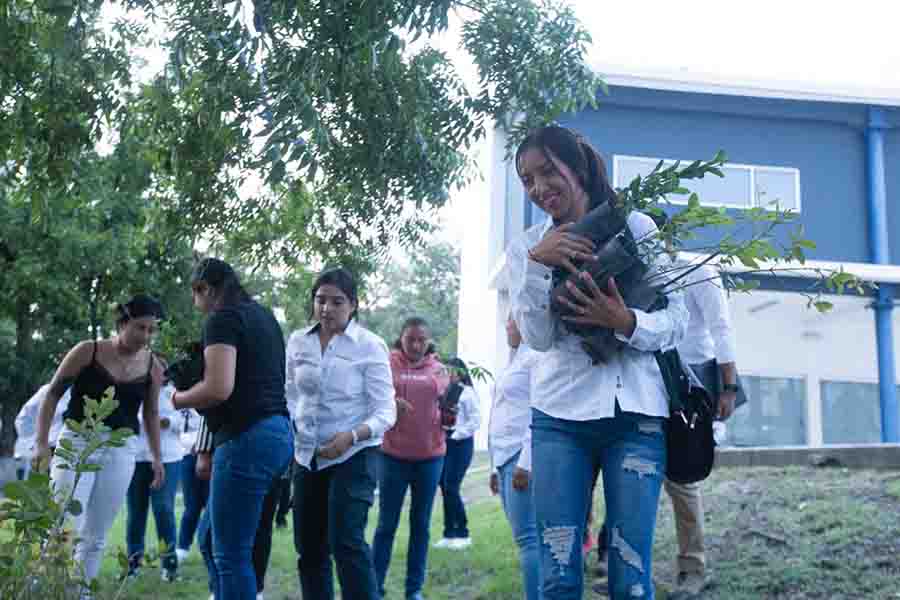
pixel 21 380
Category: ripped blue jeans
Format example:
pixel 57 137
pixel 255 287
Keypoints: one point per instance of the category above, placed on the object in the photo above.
pixel 630 449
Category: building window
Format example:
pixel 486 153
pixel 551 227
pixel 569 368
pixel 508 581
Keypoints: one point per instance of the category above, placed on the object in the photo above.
pixel 851 412
pixel 744 186
pixel 774 415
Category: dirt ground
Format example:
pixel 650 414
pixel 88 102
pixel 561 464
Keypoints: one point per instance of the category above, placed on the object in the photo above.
pixel 793 534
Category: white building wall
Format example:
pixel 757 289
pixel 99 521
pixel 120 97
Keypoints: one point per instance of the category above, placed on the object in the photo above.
pixel 778 336
pixel 482 309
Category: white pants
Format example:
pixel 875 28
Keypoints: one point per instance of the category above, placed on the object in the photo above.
pixel 101 495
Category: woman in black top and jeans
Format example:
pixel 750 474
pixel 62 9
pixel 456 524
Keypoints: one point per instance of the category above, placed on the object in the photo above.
pixel 242 397
pixel 126 364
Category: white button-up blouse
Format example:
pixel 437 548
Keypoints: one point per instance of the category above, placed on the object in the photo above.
pixel 347 385
pixel 509 430
pixel 566 384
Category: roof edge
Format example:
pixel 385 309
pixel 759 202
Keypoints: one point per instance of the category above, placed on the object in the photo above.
pixel 710 84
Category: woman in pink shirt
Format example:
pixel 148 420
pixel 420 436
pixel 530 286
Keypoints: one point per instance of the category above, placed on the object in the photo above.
pixel 412 453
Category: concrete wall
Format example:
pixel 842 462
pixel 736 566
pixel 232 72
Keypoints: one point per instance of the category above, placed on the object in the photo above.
pixel 892 163
pixel 787 339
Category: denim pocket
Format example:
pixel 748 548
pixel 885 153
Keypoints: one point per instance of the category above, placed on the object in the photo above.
pixel 362 470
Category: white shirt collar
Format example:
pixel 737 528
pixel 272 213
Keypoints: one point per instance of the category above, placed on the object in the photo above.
pixel 351 331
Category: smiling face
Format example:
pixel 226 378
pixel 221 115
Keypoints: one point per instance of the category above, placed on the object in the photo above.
pixel 332 308
pixel 552 186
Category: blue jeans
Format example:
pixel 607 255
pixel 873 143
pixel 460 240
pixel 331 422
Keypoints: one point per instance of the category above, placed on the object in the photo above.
pixel 631 451
pixel 244 469
pixel 204 544
pixel 519 509
pixel 456 463
pixel 394 476
pixel 140 497
pixel 262 543
pixel 195 492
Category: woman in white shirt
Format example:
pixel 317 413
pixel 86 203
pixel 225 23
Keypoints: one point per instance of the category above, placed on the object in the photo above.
pixel 141 496
pixel 26 427
pixel 460 449
pixel 610 415
pixel 339 379
pixel 509 443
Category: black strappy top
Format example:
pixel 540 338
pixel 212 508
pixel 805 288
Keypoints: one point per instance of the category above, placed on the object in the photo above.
pixel 95 379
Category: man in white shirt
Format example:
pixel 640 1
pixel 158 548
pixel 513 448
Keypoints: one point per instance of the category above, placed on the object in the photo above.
pixel 708 344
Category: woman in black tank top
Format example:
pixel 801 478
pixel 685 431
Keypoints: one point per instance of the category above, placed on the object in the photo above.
pixel 126 365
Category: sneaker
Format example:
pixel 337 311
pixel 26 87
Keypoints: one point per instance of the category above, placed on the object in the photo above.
pixel 689 586
pixel 443 543
pixel 182 554
pixel 134 567
pixel 460 543
pixel 169 575
pixel 259 596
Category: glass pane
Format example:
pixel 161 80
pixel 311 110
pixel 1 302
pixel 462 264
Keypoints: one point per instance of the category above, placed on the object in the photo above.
pixel 850 413
pixel 773 185
pixel 774 415
pixel 732 191
pixel 629 168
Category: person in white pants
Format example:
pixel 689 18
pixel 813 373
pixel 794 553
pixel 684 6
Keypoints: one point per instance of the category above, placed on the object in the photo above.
pixel 125 364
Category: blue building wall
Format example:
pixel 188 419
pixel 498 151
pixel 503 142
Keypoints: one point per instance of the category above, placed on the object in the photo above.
pixel 825 141
pixel 892 165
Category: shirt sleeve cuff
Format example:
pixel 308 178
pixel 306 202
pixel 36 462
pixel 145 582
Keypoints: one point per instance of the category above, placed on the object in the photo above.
pixel 634 340
pixel 524 461
pixel 725 352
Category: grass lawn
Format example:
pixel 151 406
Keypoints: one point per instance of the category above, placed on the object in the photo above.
pixel 795 533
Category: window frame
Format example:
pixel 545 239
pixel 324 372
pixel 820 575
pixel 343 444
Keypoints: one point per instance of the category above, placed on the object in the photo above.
pixel 752 192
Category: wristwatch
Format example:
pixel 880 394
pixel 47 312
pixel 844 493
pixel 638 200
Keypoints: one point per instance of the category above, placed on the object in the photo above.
pixel 731 387
pixel 355 436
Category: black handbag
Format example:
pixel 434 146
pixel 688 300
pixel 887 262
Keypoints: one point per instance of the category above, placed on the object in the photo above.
pixel 690 445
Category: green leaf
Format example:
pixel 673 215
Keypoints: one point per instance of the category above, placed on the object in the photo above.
pixel 748 261
pixel 823 306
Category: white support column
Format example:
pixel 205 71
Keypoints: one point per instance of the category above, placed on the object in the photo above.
pixel 814 411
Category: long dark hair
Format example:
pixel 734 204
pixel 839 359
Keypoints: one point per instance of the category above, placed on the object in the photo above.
pixel 221 277
pixel 340 278
pixel 413 322
pixel 574 151
pixel 461 369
